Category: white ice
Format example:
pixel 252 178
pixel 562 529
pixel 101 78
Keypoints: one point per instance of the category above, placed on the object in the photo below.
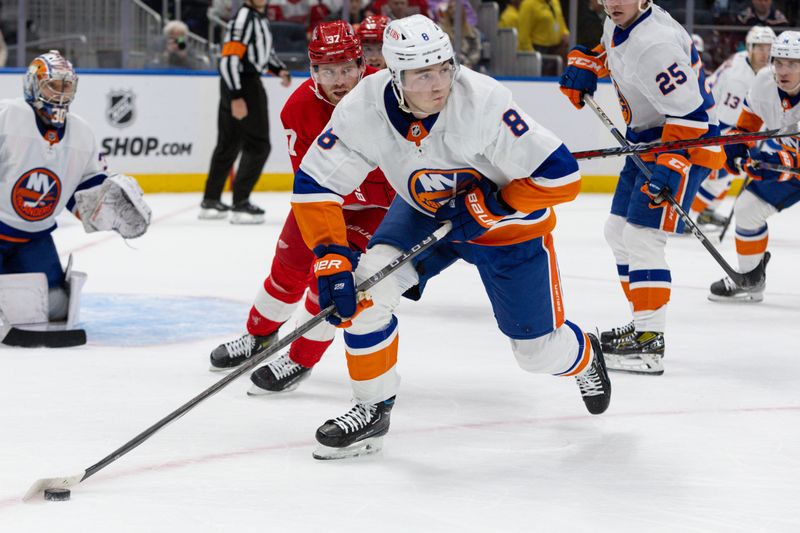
pixel 476 443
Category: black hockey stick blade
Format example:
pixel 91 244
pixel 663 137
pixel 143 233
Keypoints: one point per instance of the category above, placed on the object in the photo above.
pixel 25 338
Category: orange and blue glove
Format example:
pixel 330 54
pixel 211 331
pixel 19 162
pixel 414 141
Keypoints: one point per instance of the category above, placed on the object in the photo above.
pixel 584 66
pixel 335 280
pixel 783 158
pixel 475 211
pixel 667 175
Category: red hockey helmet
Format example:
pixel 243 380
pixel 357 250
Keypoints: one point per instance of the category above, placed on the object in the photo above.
pixel 334 42
pixel 371 29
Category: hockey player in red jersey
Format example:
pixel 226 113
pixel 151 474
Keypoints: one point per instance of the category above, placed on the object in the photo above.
pixel 370 33
pixel 337 65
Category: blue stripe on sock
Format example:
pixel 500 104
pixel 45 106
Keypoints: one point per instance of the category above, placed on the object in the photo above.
pixel 367 340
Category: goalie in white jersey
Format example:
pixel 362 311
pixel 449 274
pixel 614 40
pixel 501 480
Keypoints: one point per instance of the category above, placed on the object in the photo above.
pixel 455 146
pixel 772 102
pixel 49 161
pixel 660 82
pixel 729 85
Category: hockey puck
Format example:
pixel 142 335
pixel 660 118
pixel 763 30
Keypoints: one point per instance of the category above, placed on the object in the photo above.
pixel 56 495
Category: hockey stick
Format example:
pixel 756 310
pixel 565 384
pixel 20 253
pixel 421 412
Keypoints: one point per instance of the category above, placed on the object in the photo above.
pixel 740 279
pixel 65 482
pixel 776 167
pixel 26 338
pixel 656 148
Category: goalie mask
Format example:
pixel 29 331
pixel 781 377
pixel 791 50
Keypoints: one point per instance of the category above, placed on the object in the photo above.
pixel 49 87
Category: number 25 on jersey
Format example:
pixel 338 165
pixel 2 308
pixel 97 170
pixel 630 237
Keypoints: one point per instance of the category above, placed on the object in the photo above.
pixel 667 81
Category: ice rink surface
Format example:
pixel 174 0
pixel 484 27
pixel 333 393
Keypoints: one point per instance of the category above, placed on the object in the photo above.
pixel 476 443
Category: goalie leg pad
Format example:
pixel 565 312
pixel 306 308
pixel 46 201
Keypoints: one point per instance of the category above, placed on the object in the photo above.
pixel 23 298
pixel 117 204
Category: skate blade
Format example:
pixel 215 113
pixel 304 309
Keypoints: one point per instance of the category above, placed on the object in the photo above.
pixel 749 298
pixel 647 365
pixel 220 370
pixel 365 447
pixel 247 219
pixel 212 214
pixel 255 390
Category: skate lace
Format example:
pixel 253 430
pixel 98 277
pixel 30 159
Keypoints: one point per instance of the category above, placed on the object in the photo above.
pixel 729 284
pixel 241 346
pixel 356 418
pixel 283 367
pixel 627 329
pixel 589 383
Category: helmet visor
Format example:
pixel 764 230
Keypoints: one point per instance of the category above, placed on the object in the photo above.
pixel 56 91
pixel 427 79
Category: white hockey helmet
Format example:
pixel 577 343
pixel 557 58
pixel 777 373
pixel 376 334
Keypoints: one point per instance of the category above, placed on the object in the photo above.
pixel 414 42
pixel 786 46
pixel 50 85
pixel 759 35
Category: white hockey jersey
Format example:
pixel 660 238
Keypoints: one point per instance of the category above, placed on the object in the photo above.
pixel 40 173
pixel 768 107
pixel 729 85
pixel 481 132
pixel 660 82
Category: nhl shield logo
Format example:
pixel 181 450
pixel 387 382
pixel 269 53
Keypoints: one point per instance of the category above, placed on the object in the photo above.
pixel 121 108
pixel 35 194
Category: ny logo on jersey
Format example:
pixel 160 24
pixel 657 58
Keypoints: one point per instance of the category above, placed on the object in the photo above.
pixel 35 194
pixel 431 188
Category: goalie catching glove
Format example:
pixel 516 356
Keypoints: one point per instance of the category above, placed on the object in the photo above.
pixel 118 204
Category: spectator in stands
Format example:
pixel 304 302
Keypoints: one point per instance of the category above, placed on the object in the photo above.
pixel 542 27
pixel 176 53
pixel 509 18
pixel 761 13
pixel 469 53
pixel 591 17
pixel 438 7
pixel 397 9
pixel 358 10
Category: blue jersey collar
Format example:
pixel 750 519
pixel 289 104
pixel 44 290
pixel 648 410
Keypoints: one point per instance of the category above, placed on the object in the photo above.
pixel 788 102
pixel 620 35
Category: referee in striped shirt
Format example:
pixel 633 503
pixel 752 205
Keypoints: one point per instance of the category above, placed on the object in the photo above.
pixel 243 120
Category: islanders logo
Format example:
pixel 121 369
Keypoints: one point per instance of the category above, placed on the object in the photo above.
pixel 623 103
pixel 36 193
pixel 431 188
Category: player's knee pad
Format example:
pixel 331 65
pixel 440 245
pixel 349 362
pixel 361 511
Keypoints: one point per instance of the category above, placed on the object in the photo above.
pixel 386 294
pixel 613 234
pixel 751 212
pixel 23 298
pixel 646 246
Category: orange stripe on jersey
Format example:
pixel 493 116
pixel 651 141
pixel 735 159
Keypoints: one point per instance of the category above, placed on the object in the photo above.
pixel 320 223
pixel 679 132
pixel 556 295
pixel 699 205
pixel 374 365
pixel 516 233
pixel 626 288
pixel 713 159
pixel 649 298
pixel 752 247
pixel 586 357
pixel 527 196
pixel 234 48
pixel 749 121
pixel 12 239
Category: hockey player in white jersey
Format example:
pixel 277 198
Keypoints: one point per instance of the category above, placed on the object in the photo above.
pixel 455 146
pixel 773 101
pixel 659 80
pixel 50 161
pixel 729 85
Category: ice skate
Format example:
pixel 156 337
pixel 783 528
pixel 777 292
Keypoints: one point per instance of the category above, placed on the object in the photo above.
pixel 247 213
pixel 229 355
pixel 726 290
pixel 642 353
pixel 213 210
pixel 593 382
pixel 710 221
pixel 358 432
pixel 280 375
pixel 610 339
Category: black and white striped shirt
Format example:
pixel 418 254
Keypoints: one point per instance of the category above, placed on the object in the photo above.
pixel 247 49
